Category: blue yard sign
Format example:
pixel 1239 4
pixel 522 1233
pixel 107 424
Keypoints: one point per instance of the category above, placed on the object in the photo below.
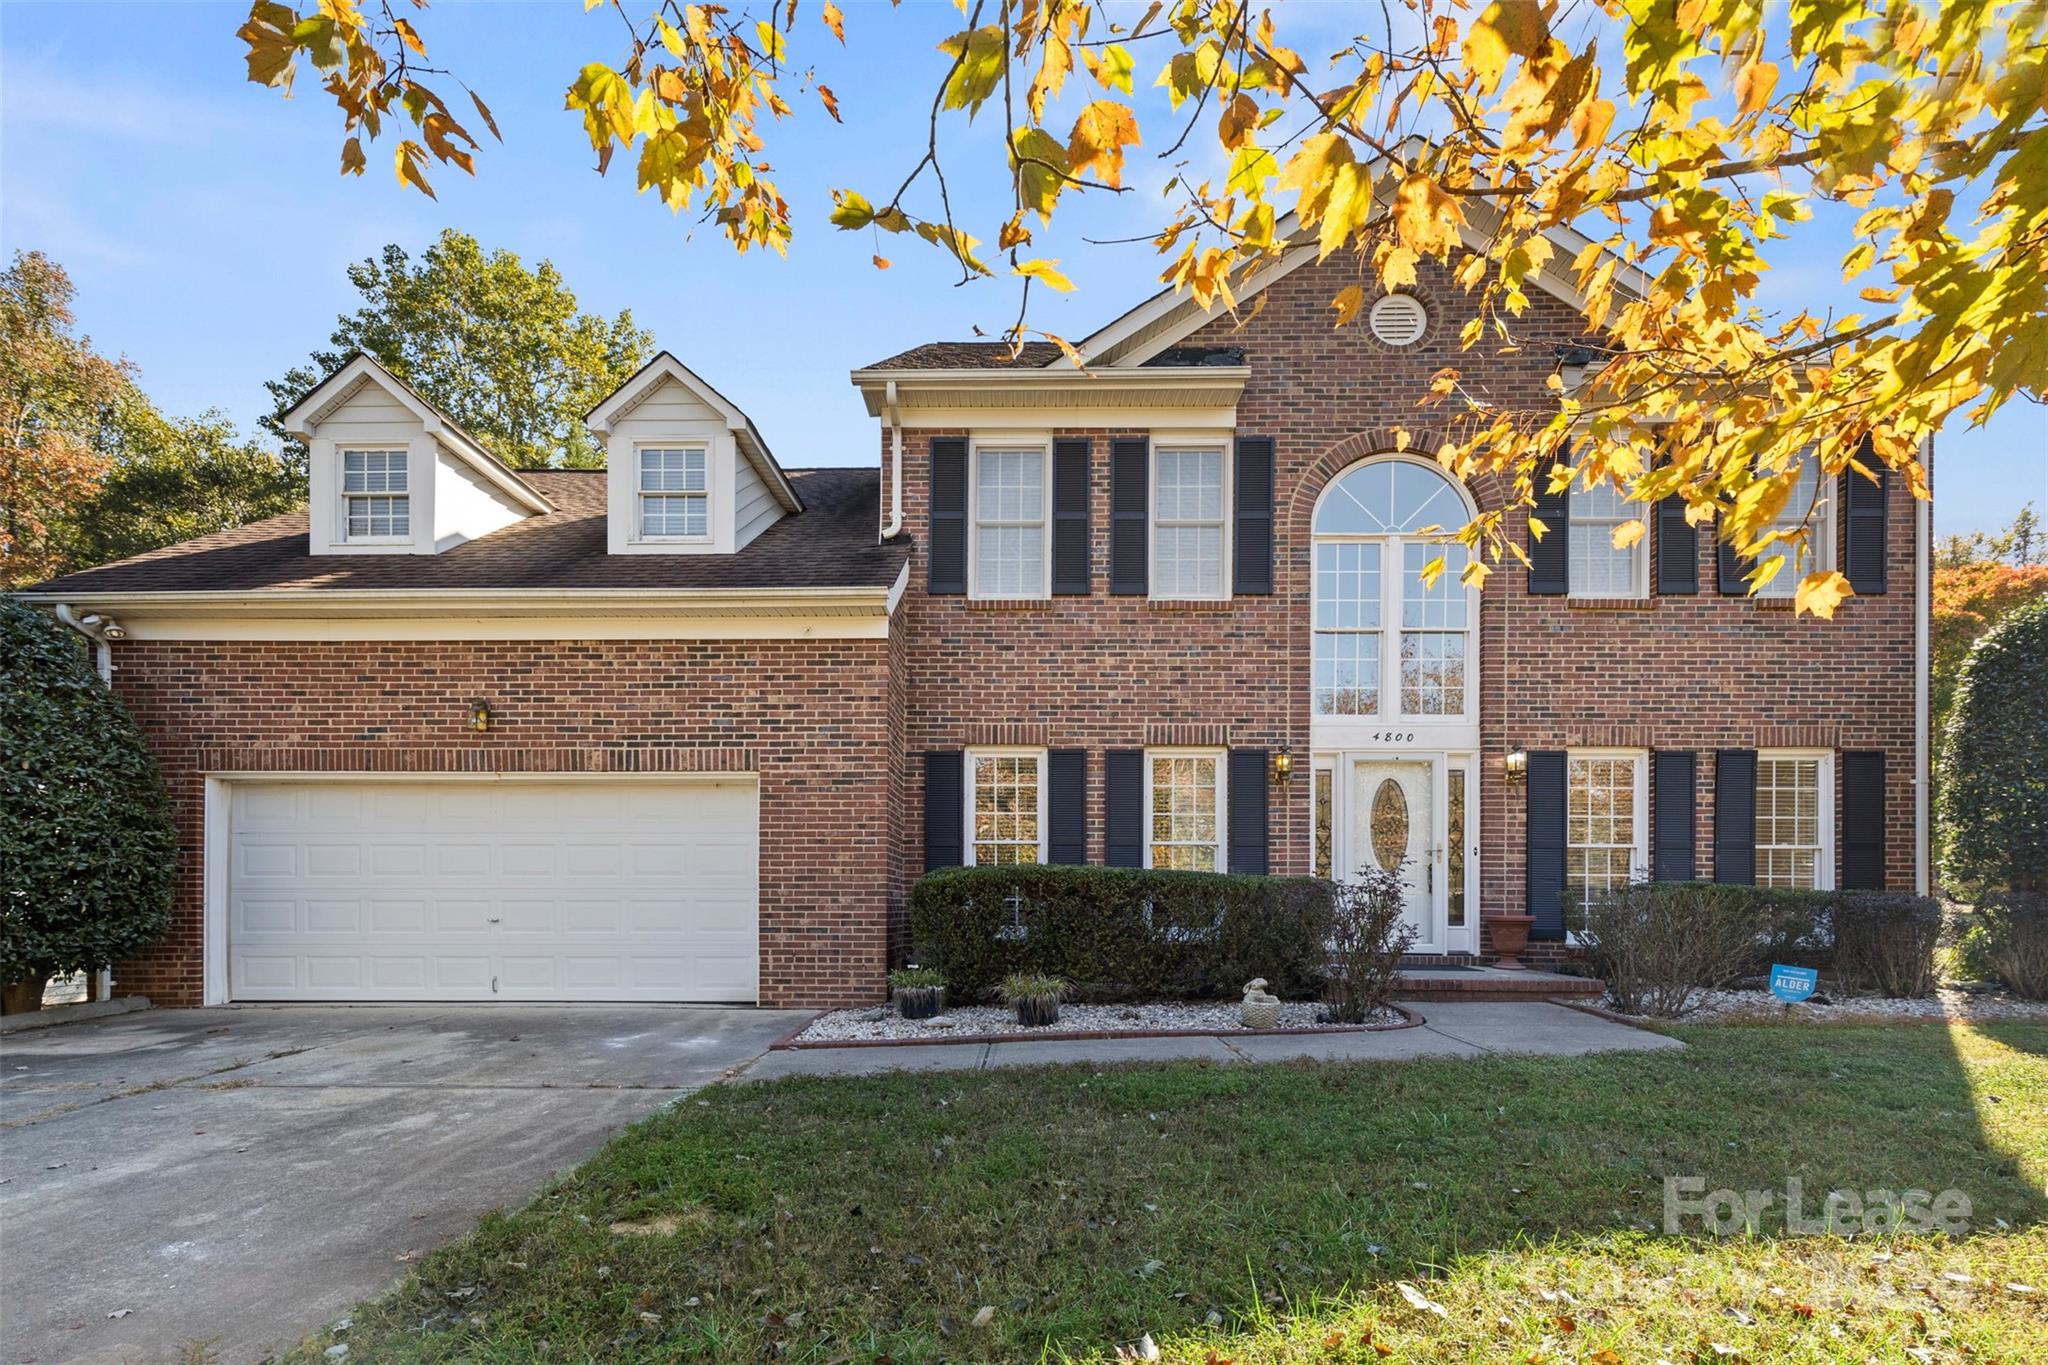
pixel 1793 984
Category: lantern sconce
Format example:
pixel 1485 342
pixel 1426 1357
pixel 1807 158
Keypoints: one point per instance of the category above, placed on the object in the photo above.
pixel 1517 766
pixel 479 715
pixel 1283 764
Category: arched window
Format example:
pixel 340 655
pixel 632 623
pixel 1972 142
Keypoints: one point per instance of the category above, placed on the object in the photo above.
pixel 1385 644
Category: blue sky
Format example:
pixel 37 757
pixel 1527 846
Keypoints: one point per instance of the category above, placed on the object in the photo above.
pixel 204 224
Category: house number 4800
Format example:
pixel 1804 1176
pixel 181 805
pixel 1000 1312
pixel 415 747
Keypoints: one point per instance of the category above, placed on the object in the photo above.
pixel 1393 737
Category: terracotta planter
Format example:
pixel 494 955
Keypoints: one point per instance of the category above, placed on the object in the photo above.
pixel 1510 937
pixel 920 1002
pixel 21 997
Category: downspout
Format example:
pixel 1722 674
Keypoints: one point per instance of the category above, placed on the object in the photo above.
pixel 894 525
pixel 1923 633
pixel 94 628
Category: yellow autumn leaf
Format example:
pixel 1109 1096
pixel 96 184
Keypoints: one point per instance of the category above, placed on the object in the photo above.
pixel 411 159
pixel 1821 593
pixel 1754 84
pixel 1043 270
pixel 1397 268
pixel 834 20
pixel 881 262
pixel 1101 132
pixel 1347 303
pixel 1627 534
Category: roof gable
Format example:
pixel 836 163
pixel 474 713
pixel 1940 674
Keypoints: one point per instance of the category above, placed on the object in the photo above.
pixel 665 368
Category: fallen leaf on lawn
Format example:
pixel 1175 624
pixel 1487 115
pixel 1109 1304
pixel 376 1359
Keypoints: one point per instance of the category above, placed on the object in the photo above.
pixel 661 1225
pixel 1604 1356
pixel 984 1316
pixel 119 1313
pixel 1417 1299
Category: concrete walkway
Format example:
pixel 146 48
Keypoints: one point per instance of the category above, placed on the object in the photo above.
pixel 1450 1030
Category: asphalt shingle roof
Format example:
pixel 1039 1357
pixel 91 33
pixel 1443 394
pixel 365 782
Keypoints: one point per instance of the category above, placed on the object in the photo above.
pixel 831 544
pixel 970 355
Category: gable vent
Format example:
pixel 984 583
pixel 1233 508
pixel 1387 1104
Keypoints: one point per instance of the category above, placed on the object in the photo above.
pixel 1399 319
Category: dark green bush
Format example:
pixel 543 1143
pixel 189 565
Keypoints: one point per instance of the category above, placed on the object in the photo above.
pixel 1122 933
pixel 2007 942
pixel 1993 785
pixel 1885 941
pixel 87 851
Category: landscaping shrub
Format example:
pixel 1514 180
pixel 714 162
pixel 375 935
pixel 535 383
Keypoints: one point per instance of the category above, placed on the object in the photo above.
pixel 2007 942
pixel 1658 945
pixel 87 851
pixel 1796 927
pixel 1993 787
pixel 1367 940
pixel 1885 942
pixel 1122 933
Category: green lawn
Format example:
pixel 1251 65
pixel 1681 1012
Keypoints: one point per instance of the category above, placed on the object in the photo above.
pixel 1271 1212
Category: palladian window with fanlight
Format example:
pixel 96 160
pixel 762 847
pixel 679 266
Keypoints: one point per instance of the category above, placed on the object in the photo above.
pixel 1393 631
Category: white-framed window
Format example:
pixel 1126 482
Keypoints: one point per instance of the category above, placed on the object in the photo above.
pixel 1190 531
pixel 1819 552
pixel 1596 568
pixel 1795 818
pixel 1010 496
pixel 1387 639
pixel 1005 807
pixel 376 495
pixel 1184 809
pixel 1607 820
pixel 675 493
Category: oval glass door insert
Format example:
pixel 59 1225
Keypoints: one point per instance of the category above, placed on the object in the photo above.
pixel 1389 824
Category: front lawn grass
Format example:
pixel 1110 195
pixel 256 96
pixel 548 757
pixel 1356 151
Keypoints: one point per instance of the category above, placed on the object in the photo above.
pixel 1274 1213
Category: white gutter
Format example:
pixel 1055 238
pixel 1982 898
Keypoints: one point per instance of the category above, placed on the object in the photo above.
pixel 1923 632
pixel 893 527
pixel 94 628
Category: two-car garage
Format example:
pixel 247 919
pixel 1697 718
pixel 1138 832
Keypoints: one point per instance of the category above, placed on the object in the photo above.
pixel 380 888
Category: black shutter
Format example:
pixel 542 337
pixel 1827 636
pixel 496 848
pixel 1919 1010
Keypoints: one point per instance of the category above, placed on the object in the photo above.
pixel 1678 549
pixel 946 564
pixel 1549 562
pixel 1672 801
pixel 1130 474
pixel 1863 821
pixel 1728 580
pixel 1248 810
pixel 1254 549
pixel 1070 519
pixel 1544 852
pixel 1123 782
pixel 945 823
pixel 1066 806
pixel 1735 816
pixel 1863 518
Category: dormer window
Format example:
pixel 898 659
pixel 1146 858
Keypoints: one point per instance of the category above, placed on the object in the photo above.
pixel 376 495
pixel 675 493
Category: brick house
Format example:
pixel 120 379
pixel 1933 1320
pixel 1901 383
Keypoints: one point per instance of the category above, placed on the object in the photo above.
pixel 689 728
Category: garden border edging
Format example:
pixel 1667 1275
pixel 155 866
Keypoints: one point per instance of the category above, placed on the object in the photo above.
pixel 788 1041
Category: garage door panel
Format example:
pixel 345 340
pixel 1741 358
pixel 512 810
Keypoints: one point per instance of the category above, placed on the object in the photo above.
pixel 470 890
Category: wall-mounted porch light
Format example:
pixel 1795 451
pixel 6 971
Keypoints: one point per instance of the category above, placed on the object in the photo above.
pixel 1283 764
pixel 1517 765
pixel 479 715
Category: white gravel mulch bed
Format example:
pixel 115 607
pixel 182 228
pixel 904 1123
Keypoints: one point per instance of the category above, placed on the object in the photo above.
pixel 1943 1004
pixel 883 1024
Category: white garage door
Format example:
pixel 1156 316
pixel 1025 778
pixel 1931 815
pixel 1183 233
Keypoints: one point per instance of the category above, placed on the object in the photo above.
pixel 493 890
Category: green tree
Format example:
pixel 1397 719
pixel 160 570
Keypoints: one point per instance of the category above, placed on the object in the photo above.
pixel 86 841
pixel 500 348
pixel 173 478
pixel 1994 760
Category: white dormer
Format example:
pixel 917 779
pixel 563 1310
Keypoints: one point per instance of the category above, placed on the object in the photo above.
pixel 388 474
pixel 687 471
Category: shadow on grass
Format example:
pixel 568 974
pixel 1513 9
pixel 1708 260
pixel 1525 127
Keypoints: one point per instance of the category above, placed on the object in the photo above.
pixel 856 1219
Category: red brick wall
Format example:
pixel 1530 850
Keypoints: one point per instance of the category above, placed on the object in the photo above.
pixel 1701 672
pixel 812 718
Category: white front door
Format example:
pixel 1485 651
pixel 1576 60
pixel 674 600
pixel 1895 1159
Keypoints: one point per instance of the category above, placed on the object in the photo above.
pixel 558 889
pixel 1394 826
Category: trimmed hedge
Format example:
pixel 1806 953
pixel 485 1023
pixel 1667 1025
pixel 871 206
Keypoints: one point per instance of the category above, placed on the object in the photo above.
pixel 2007 942
pixel 1122 933
pixel 86 843
pixel 1885 942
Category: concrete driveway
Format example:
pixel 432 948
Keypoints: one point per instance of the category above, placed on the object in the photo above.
pixel 240 1176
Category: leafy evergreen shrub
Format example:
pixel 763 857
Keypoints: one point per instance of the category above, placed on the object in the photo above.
pixel 1994 760
pixel 87 850
pixel 1885 942
pixel 1122 933
pixel 2007 942
pixel 1659 945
